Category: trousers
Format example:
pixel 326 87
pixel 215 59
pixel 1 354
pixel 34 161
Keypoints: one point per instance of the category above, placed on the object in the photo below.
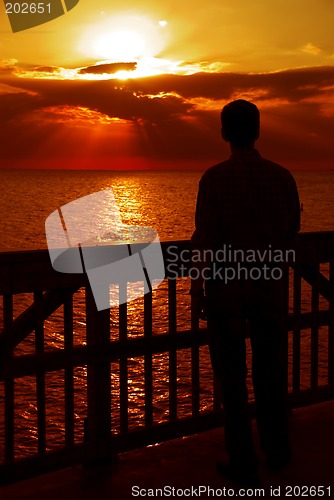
pixel 259 308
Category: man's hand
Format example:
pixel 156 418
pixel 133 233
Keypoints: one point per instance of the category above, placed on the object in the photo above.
pixel 197 292
pixel 197 306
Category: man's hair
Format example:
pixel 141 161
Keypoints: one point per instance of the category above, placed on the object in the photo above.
pixel 240 123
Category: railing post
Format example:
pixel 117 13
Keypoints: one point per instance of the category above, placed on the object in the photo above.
pixel 297 290
pixel 40 375
pixel 148 361
pixel 285 330
pixel 172 368
pixel 69 371
pixel 331 327
pixel 195 374
pixel 9 380
pixel 123 362
pixel 315 328
pixel 98 430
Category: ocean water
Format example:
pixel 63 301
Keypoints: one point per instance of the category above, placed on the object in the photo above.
pixel 164 200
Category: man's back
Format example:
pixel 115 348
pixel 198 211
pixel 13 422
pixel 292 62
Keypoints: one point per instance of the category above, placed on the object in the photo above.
pixel 247 202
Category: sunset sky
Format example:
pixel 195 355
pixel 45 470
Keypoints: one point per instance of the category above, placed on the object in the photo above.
pixel 67 102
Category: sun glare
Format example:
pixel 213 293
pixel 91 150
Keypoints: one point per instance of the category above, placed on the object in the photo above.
pixel 121 46
pixel 123 38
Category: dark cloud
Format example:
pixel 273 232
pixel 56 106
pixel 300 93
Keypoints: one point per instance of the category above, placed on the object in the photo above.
pixel 109 97
pixel 111 68
pixel 14 106
pixel 6 68
pixel 293 85
pixel 174 116
pixel 46 69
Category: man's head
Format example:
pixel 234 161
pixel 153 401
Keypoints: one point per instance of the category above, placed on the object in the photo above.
pixel 240 123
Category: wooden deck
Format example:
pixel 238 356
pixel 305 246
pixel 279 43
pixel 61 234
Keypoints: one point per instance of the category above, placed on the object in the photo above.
pixel 187 462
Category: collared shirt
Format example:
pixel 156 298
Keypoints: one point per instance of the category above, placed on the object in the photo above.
pixel 247 202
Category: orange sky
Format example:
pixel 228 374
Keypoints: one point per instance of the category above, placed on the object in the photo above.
pixel 65 101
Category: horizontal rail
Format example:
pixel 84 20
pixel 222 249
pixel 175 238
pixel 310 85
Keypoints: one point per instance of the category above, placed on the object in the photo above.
pixel 25 365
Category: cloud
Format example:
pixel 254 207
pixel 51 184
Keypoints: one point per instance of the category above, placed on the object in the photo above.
pixel 110 68
pixel 7 66
pixel 46 69
pixel 312 49
pixel 291 85
pixel 167 116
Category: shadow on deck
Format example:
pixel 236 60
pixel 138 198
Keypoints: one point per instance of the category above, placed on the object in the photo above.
pixel 190 461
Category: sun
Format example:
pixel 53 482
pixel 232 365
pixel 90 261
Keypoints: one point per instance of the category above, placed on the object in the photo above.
pixel 126 37
pixel 121 45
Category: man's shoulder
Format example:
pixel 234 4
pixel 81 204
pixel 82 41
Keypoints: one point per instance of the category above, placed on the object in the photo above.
pixel 275 166
pixel 217 169
pixel 279 170
pixel 231 167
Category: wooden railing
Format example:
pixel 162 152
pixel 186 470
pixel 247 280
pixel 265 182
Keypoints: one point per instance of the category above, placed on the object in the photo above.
pixel 100 349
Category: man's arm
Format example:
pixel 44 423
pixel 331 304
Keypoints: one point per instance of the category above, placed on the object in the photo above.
pixel 295 212
pixel 198 240
pixel 201 240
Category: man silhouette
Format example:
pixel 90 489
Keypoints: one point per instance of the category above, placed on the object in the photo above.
pixel 246 206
